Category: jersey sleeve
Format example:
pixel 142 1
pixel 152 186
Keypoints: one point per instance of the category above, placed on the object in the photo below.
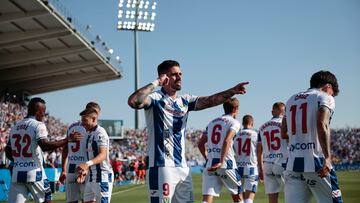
pixel 235 126
pixel 103 139
pixel 152 97
pixel 326 100
pixel 41 132
pixel 191 101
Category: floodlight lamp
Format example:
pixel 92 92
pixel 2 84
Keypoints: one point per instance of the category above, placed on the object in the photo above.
pixel 121 5
pixel 147 2
pixel 111 51
pixel 146 6
pixel 117 58
pixel 127 5
pixel 153 7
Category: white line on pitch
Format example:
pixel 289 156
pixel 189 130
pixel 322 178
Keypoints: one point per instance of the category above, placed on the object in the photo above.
pixel 122 191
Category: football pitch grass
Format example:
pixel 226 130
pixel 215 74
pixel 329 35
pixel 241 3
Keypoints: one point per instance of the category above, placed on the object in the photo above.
pixel 349 185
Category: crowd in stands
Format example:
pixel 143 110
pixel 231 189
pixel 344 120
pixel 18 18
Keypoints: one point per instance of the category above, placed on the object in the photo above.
pixel 345 142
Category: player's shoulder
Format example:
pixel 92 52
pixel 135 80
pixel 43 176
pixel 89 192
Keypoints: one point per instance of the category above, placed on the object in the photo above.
pixel 101 131
pixel 75 124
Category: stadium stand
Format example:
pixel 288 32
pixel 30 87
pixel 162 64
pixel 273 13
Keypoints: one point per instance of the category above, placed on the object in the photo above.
pixel 44 48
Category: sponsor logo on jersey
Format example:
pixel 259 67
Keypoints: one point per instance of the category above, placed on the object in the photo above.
pixel 25 164
pixel 273 156
pixel 214 149
pixel 301 146
pixel 77 158
pixel 244 163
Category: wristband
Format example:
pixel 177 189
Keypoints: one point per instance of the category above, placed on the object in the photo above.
pixel 89 163
pixel 155 83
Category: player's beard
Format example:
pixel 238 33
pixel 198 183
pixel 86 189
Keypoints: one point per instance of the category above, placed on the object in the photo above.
pixel 177 85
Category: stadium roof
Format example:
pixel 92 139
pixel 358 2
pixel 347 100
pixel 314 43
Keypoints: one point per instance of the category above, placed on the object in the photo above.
pixel 43 48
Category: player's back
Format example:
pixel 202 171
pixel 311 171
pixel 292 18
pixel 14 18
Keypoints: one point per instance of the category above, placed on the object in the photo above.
pixel 216 133
pixel 76 150
pixel 245 149
pixel 274 147
pixel 27 154
pixel 305 153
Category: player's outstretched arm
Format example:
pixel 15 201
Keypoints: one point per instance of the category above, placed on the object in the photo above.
pixel 139 99
pixel 219 98
pixel 201 146
pixel 323 129
pixel 46 145
pixel 224 150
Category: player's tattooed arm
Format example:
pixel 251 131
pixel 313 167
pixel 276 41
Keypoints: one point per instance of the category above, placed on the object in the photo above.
pixel 219 98
pixel 284 131
pixel 323 129
pixel 139 99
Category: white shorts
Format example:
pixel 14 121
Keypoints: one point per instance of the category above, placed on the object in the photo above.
pixel 40 191
pixel 74 191
pixel 169 184
pixel 273 178
pixel 98 192
pixel 249 183
pixel 212 182
pixel 301 186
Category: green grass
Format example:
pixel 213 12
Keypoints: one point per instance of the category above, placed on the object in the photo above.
pixel 349 185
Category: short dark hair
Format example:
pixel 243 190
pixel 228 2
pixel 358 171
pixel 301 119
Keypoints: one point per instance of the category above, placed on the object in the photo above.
pixel 230 104
pixel 88 111
pixel 33 107
pixel 247 119
pixel 166 65
pixel 278 105
pixel 322 78
pixel 93 105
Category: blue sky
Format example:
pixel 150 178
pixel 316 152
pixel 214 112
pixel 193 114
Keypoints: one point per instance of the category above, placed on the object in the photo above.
pixel 275 45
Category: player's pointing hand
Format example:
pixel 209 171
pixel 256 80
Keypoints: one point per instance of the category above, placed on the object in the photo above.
pixel 240 88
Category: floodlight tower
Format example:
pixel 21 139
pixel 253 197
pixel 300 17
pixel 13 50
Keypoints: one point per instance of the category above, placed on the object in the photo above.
pixel 136 15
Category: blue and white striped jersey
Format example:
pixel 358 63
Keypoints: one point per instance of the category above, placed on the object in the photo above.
pixel 166 120
pixel 245 143
pixel 274 147
pixel 95 139
pixel 27 154
pixel 305 152
pixel 216 132
pixel 76 150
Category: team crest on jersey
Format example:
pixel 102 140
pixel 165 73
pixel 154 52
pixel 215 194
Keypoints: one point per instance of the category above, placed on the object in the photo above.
pixel 165 199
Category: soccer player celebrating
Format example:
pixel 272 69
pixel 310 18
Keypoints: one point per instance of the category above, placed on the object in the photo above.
pixel 27 141
pixel 246 160
pixel 166 115
pixel 98 186
pixel 309 171
pixel 219 156
pixel 272 153
pixel 73 157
